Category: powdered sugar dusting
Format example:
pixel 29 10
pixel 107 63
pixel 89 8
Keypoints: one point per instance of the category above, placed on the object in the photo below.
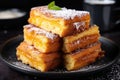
pixel 40 31
pixel 23 66
pixel 77 42
pixel 30 47
pixel 77 25
pixel 63 13
pixel 34 50
pixel 67 13
pixel 89 67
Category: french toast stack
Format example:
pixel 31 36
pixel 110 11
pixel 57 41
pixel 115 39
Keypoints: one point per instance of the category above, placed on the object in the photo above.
pixel 51 34
pixel 82 49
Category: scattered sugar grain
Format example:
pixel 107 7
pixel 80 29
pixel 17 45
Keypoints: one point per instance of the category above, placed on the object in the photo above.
pixel 67 13
pixel 63 13
pixel 77 25
pixel 20 64
pixel 41 31
pixel 114 74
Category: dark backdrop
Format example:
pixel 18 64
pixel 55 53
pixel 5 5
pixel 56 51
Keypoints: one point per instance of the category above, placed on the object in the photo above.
pixel 27 4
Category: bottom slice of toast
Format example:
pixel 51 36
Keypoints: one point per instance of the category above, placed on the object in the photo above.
pixel 34 58
pixel 82 57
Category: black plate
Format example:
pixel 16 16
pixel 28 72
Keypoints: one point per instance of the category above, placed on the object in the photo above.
pixel 8 55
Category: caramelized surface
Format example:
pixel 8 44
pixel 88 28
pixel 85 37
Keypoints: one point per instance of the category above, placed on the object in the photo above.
pixel 31 56
pixel 80 43
pixel 42 40
pixel 45 19
pixel 82 57
pixel 71 43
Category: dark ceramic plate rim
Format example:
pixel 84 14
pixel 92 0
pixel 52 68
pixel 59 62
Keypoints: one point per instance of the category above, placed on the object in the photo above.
pixel 65 73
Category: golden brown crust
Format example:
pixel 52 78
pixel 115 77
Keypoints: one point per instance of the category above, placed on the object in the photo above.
pixel 80 43
pixel 45 19
pixel 43 62
pixel 92 30
pixel 81 58
pixel 71 43
pixel 42 40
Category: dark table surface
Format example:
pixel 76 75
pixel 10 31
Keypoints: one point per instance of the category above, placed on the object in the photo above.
pixel 6 73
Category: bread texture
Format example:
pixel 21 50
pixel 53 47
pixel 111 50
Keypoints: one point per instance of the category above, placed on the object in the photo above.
pixel 61 37
pixel 82 57
pixel 34 58
pixel 42 40
pixel 62 22
pixel 80 40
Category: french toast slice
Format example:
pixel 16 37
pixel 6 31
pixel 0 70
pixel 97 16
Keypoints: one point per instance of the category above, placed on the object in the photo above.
pixel 83 57
pixel 80 40
pixel 34 58
pixel 42 40
pixel 62 22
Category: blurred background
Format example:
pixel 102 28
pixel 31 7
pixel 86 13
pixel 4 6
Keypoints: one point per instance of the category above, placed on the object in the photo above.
pixel 27 4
